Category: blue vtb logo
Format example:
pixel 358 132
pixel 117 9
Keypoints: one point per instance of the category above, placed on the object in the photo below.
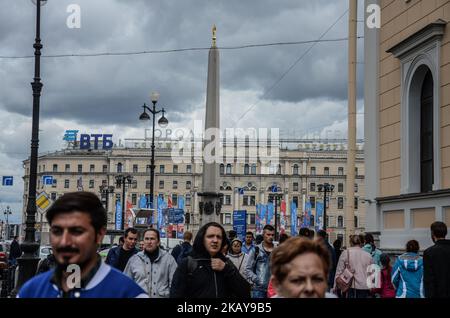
pixel 70 135
pixel 85 141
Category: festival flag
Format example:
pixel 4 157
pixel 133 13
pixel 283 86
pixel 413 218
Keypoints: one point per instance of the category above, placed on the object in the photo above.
pixel 118 215
pixel 319 215
pixel 293 218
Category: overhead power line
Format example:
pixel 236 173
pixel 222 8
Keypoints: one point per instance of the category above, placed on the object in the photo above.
pixel 239 47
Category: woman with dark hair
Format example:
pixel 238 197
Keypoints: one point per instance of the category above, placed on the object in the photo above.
pixel 370 248
pixel 407 274
pixel 386 289
pixel 206 272
pixel 337 244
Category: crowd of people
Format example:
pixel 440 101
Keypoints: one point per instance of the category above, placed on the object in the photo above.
pixel 221 265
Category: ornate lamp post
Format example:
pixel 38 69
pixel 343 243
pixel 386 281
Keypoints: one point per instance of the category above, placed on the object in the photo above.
pixel 162 122
pixel 28 261
pixel 326 188
pixel 123 181
pixel 7 212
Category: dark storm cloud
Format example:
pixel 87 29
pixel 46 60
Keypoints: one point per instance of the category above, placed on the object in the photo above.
pixel 109 90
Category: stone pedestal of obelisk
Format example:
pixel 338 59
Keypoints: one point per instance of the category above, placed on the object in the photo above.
pixel 209 205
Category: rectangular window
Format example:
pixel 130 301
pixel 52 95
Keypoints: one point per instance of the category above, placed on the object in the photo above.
pixel 245 203
pixel 252 200
pixel 188 199
pixel 53 196
pixel 175 168
pixel 147 168
pixel 55 168
pixel 161 184
pixel 91 184
pixel 66 184
pixel 228 200
pixel 147 184
pixel 356 187
pixel 356 203
pixel 313 171
pixel 312 187
pixel 253 169
pixel 67 168
pixel 188 169
pixel 133 198
pixel 188 185
pixel 80 168
pixel 326 171
pixel 340 187
pixel 54 183
pixel 252 218
pixel 312 200
pixel 340 203
pixel 92 168
pixel 340 171
pixel 175 184
pixel 227 218
pixel 135 168
pixel 174 199
pixel 295 186
pixel 105 168
pixel 134 184
pixel 161 169
pixel 356 171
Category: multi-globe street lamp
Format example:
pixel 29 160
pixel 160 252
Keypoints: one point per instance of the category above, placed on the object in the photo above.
pixel 326 188
pixel 162 122
pixel 123 181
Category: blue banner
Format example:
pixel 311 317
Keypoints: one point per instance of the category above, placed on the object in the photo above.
pixel 181 202
pixel 240 223
pixel 319 215
pixel 118 215
pixel 161 223
pixel 143 202
pixel 270 212
pixel 307 216
pixel 293 219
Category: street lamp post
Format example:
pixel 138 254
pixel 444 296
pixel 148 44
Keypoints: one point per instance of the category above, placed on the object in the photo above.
pixel 28 261
pixel 7 212
pixel 162 122
pixel 105 191
pixel 326 188
pixel 122 180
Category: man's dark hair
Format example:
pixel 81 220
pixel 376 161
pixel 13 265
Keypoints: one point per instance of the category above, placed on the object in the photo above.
pixel 122 240
pixel 199 246
pixel 131 230
pixel 15 237
pixel 283 237
pixel 304 232
pixel 82 201
pixel 322 234
pixel 249 233
pixel 232 234
pixel 368 239
pixel 337 244
pixel 269 227
pixel 412 246
pixel 187 236
pixel 152 230
pixel 439 229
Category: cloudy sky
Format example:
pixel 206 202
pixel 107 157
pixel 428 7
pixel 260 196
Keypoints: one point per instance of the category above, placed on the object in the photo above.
pixel 104 93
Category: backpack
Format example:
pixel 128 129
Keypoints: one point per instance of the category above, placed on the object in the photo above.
pixel 185 250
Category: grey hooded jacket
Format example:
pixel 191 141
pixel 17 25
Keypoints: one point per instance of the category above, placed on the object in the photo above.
pixel 155 278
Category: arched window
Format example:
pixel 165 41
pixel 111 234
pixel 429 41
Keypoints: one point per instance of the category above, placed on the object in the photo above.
pixel 340 221
pixel 222 168
pixel 119 167
pixel 246 169
pixel 295 170
pixel 228 168
pixel 426 134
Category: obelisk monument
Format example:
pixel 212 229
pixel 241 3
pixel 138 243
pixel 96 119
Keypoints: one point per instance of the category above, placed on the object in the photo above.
pixel 209 204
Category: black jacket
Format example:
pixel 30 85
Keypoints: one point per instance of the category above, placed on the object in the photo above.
pixel 194 278
pixel 15 251
pixel 436 264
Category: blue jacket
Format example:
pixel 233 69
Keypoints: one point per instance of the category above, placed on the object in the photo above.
pixel 258 269
pixel 106 283
pixel 407 276
pixel 113 256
